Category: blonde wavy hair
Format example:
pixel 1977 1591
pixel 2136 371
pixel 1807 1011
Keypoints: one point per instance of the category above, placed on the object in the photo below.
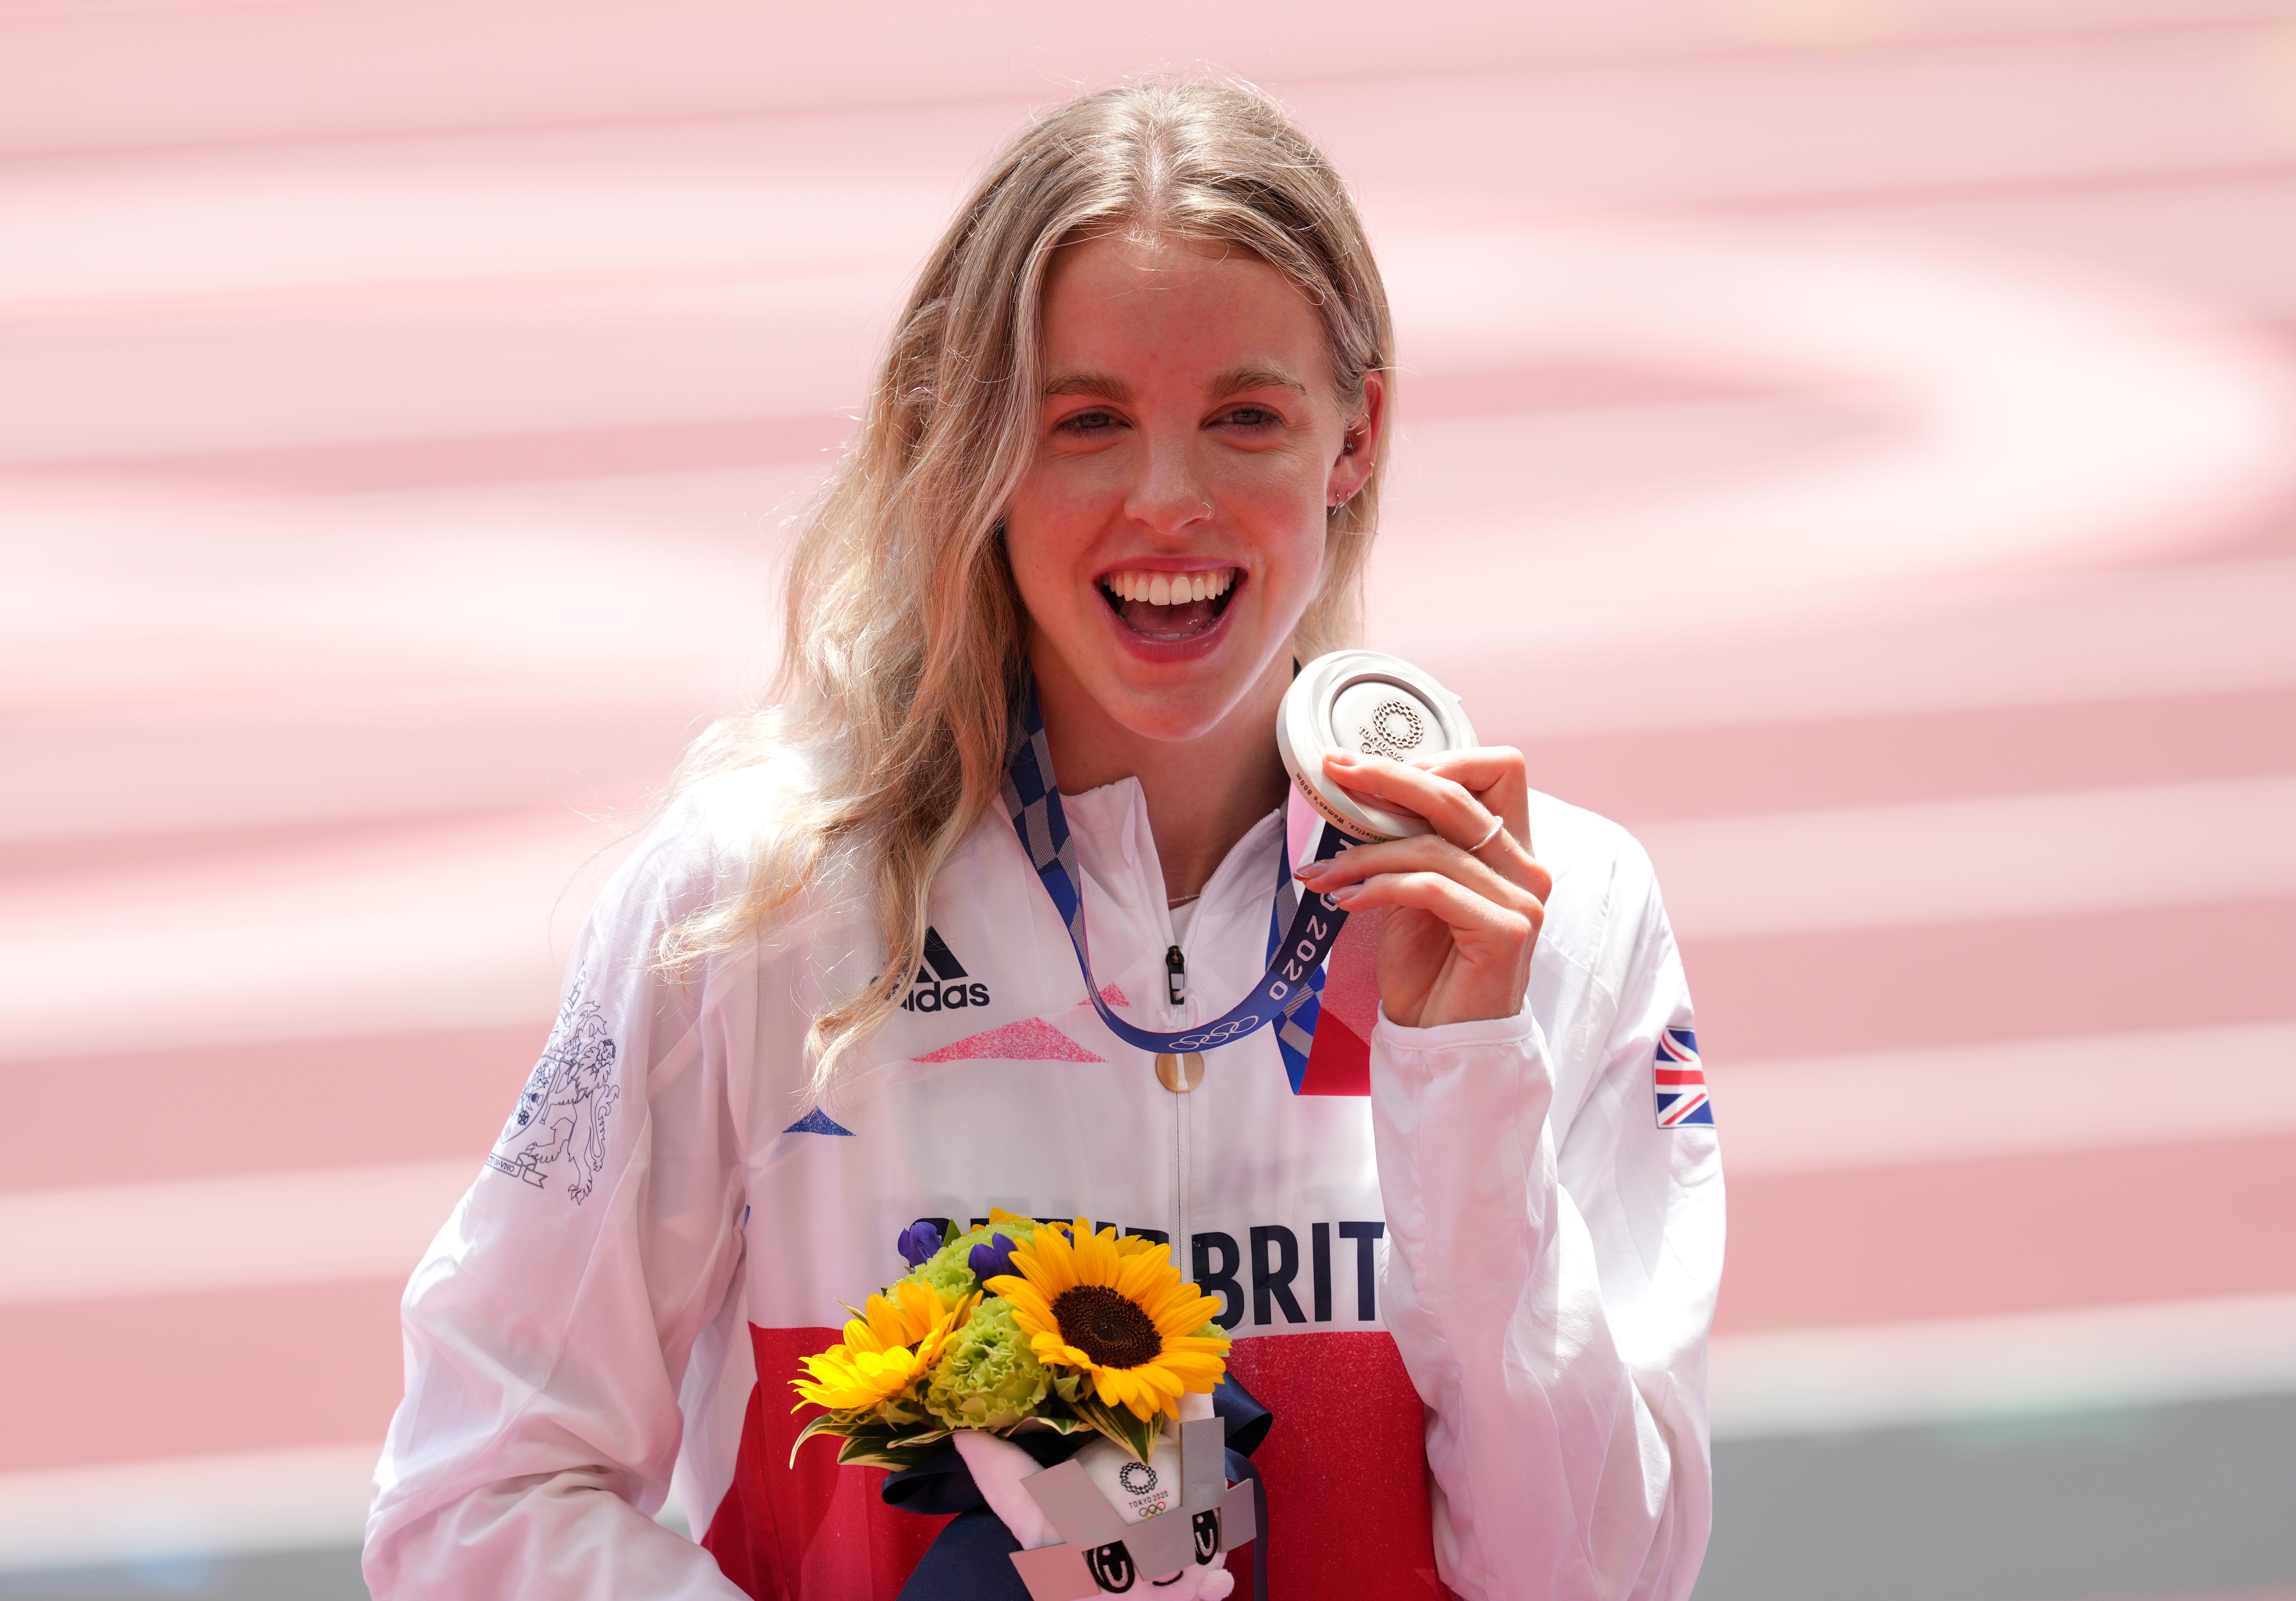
pixel 904 647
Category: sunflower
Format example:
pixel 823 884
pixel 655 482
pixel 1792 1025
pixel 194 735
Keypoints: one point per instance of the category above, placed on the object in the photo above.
pixel 1117 1310
pixel 884 1349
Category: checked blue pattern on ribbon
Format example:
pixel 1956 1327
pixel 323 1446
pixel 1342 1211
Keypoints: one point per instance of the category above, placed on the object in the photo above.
pixel 1288 997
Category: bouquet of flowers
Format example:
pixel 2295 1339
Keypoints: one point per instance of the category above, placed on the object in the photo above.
pixel 1016 1324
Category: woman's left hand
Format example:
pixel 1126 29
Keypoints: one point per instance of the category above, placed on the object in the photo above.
pixel 1463 904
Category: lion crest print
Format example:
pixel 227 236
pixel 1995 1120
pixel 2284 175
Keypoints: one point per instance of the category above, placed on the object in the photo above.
pixel 562 1111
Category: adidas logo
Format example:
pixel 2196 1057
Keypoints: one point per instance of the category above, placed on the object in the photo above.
pixel 940 984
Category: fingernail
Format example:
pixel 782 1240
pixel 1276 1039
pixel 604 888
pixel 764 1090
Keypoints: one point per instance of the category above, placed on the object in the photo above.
pixel 1346 893
pixel 1344 758
pixel 1313 870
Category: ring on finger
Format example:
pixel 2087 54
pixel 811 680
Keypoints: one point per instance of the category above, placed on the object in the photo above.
pixel 1497 824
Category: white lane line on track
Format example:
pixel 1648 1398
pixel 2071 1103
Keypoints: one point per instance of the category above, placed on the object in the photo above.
pixel 454 931
pixel 1949 1370
pixel 2022 414
pixel 342 1225
pixel 1800 1382
pixel 362 1223
pixel 1839 1113
pixel 2039 414
pixel 189 1508
pixel 1974 860
pixel 185 1507
pixel 2200 630
pixel 460 929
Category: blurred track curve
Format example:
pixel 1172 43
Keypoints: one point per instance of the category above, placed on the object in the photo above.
pixel 1853 442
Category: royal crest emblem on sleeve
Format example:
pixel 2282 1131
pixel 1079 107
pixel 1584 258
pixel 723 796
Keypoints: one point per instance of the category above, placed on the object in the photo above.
pixel 562 1111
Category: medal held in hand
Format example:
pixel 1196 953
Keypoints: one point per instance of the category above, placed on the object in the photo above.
pixel 1355 700
pixel 1372 705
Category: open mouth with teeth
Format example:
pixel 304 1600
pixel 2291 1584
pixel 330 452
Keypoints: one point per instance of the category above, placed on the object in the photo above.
pixel 1170 605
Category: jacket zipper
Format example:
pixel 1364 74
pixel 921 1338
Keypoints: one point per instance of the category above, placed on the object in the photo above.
pixel 1176 1009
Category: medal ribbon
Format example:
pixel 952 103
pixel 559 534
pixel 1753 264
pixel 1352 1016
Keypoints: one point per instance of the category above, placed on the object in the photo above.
pixel 1294 975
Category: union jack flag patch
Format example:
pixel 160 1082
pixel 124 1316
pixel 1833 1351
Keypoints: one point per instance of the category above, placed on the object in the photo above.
pixel 1681 1082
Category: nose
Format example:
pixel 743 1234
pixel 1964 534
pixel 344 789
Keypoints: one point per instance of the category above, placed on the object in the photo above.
pixel 1169 496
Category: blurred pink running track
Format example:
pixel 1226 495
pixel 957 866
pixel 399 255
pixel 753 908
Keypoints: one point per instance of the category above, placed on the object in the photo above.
pixel 1847 443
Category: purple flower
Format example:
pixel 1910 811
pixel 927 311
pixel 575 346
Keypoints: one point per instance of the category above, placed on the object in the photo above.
pixel 919 1241
pixel 990 1261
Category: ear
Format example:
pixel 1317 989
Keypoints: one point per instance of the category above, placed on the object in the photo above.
pixel 1359 445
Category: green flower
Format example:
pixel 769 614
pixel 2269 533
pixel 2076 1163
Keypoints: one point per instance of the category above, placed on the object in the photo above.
pixel 987 1376
pixel 949 1269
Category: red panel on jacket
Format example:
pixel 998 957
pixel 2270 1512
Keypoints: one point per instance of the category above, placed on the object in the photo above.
pixel 816 1531
pixel 1345 1467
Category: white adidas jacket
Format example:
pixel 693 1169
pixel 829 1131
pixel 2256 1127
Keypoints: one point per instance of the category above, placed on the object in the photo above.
pixel 1501 1229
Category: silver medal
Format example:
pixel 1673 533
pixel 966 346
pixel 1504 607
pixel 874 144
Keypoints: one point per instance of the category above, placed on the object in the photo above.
pixel 1374 705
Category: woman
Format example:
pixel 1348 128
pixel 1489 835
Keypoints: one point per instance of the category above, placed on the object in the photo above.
pixel 1122 465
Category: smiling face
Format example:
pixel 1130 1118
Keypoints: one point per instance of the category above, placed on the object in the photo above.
pixel 1171 529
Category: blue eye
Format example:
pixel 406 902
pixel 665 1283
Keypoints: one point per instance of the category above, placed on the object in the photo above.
pixel 1251 416
pixel 1092 421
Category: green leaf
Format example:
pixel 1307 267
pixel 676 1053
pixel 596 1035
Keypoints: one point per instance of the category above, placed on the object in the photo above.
pixel 1136 1434
pixel 904 1411
pixel 828 1423
pixel 865 1452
